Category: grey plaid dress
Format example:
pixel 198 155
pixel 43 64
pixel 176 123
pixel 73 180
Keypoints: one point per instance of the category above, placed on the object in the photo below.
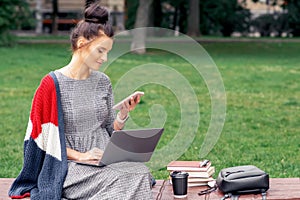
pixel 88 116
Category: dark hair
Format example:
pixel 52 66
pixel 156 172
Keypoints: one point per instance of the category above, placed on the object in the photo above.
pixel 94 24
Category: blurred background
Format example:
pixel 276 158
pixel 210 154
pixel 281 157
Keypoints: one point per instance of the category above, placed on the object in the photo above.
pixel 225 18
pixel 254 43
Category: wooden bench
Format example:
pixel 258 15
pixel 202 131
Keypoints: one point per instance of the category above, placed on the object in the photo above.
pixel 280 189
pixel 5 184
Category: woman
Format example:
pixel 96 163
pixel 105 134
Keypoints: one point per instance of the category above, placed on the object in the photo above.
pixel 71 120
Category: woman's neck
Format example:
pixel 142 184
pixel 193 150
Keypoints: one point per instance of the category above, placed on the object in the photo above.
pixel 76 69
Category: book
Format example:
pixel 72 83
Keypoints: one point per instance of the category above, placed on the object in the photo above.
pixel 202 174
pixel 197 184
pixel 199 180
pixel 187 166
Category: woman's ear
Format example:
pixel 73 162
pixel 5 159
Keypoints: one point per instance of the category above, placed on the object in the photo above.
pixel 81 42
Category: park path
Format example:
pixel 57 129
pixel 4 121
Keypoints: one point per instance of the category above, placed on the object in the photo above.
pixel 60 40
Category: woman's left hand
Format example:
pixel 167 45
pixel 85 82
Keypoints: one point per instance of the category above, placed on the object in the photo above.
pixel 129 106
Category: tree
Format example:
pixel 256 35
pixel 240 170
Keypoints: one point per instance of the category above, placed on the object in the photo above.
pixel 223 17
pixel 180 15
pixel 54 16
pixel 12 14
pixel 196 17
pixel 293 8
pixel 289 20
pixel 193 18
pixel 155 14
pixel 39 17
pixel 139 33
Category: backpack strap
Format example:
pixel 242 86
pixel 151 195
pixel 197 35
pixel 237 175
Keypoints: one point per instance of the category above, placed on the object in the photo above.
pixel 264 195
pixel 226 196
pixel 236 197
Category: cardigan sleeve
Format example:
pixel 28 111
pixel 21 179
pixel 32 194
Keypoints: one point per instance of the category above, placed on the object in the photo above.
pixel 45 162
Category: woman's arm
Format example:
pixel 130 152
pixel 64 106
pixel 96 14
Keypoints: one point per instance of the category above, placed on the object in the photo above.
pixel 93 154
pixel 119 122
pixel 122 116
pixel 72 154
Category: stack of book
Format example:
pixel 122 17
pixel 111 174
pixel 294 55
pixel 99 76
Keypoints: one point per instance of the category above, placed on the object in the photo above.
pixel 198 175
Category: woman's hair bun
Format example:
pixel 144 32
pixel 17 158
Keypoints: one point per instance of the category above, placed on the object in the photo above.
pixel 95 13
pixel 94 24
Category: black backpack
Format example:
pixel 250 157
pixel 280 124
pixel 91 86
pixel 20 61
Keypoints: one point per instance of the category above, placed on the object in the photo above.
pixel 247 179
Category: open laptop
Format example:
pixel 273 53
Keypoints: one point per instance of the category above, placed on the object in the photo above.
pixel 129 145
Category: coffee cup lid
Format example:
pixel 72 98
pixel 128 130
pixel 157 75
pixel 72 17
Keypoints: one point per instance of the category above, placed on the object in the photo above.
pixel 179 174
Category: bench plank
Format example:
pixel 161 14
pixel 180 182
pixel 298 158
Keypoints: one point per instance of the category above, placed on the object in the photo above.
pixel 5 184
pixel 280 189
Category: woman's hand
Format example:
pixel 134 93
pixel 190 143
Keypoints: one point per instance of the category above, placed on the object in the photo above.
pixel 122 115
pixel 93 154
pixel 128 106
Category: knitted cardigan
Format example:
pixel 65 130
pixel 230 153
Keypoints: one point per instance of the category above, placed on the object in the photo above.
pixel 45 158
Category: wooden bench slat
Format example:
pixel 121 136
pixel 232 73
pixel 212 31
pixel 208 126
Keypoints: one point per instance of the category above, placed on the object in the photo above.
pixel 5 184
pixel 280 189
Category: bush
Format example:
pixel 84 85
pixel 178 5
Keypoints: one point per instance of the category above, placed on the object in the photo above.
pixel 282 26
pixel 12 14
pixel 223 17
pixel 293 8
pixel 271 24
pixel 216 17
pixel 264 24
pixel 132 7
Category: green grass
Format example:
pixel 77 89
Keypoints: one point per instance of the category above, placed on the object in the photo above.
pixel 263 102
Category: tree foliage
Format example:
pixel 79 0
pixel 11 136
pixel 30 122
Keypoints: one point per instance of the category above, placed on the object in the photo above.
pixel 288 21
pixel 272 24
pixel 132 6
pixel 293 10
pixel 13 13
pixel 223 17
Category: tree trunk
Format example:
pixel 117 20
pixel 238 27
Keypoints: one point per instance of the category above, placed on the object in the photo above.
pixel 139 33
pixel 54 17
pixel 193 19
pixel 182 17
pixel 39 17
pixel 175 23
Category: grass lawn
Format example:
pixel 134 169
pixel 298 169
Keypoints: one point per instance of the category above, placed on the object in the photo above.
pixel 262 114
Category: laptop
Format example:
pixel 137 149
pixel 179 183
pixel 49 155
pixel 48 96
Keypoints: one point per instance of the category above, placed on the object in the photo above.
pixel 128 145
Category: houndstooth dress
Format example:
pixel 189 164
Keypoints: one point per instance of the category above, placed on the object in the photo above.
pixel 88 116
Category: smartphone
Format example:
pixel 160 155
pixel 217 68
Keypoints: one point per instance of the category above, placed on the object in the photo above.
pixel 118 106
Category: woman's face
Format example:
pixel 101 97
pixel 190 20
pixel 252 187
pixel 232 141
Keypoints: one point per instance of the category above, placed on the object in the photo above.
pixel 96 52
